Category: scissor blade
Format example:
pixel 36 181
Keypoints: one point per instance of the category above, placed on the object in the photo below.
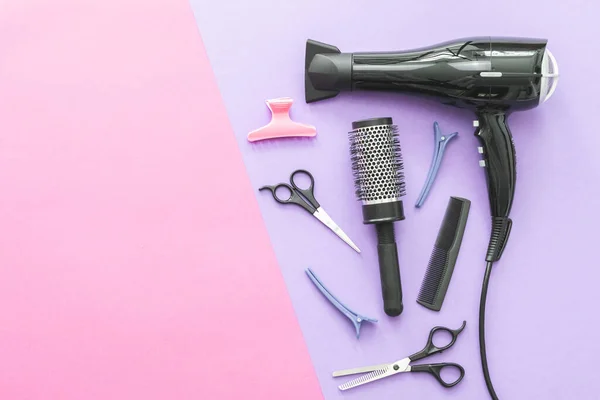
pixel 360 370
pixel 322 216
pixel 378 372
pixel 370 377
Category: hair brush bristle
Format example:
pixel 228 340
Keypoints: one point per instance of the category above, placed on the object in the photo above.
pixel 377 163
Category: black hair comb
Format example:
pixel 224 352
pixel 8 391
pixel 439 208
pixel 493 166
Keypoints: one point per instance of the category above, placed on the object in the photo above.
pixel 444 254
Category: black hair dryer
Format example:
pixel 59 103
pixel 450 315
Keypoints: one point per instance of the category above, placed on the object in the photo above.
pixel 492 76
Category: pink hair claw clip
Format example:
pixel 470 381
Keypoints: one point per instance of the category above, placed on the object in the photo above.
pixel 281 125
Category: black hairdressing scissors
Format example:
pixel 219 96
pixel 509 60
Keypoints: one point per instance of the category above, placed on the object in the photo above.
pixel 380 371
pixel 305 198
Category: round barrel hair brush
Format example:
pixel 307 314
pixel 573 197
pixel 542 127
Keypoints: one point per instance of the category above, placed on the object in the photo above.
pixel 379 181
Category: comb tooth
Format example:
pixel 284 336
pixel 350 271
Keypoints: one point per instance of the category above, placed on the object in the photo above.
pixel 435 271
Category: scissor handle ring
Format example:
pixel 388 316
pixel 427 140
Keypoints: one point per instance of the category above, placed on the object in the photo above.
pixel 303 172
pixel 279 199
pixel 430 348
pixel 436 371
pixel 445 347
pixel 308 193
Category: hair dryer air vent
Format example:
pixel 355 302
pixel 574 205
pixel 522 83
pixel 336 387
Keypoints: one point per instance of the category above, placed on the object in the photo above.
pixel 549 76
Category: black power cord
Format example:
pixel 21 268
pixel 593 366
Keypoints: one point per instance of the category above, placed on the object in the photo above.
pixel 501 227
pixel 484 364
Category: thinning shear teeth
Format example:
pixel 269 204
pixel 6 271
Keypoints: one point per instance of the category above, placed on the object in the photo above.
pixel 438 152
pixel 356 319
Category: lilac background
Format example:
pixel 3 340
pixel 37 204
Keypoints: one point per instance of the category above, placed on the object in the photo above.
pixel 542 305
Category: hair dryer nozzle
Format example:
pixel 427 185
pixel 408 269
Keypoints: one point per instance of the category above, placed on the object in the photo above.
pixel 327 71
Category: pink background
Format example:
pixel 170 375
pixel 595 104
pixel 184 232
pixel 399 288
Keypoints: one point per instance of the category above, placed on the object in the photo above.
pixel 134 263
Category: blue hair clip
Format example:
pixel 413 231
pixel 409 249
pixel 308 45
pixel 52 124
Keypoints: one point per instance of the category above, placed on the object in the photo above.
pixel 356 319
pixel 440 145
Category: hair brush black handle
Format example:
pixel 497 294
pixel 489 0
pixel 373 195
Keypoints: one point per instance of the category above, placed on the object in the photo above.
pixel 391 288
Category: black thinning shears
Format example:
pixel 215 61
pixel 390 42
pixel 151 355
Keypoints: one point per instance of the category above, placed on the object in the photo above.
pixel 376 372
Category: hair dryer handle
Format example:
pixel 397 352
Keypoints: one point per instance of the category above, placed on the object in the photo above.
pixel 499 160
